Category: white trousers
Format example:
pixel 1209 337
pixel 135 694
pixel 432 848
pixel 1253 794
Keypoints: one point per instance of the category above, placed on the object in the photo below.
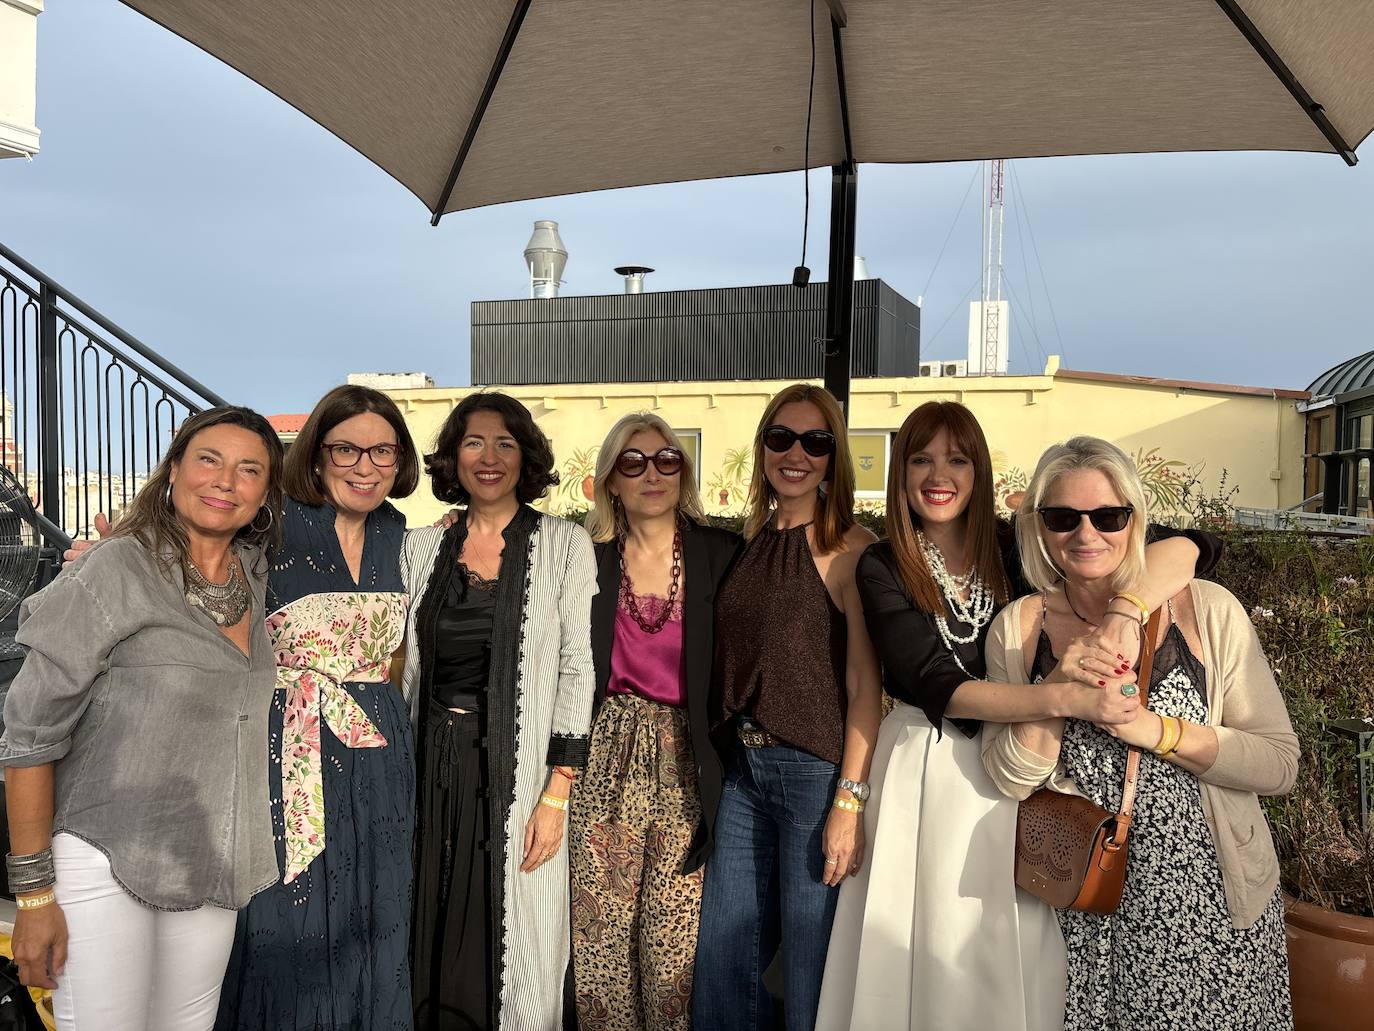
pixel 131 968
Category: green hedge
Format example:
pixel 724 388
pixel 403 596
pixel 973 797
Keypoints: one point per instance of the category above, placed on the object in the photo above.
pixel 1312 601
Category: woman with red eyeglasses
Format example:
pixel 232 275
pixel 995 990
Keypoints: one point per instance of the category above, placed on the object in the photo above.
pixel 641 812
pixel 795 709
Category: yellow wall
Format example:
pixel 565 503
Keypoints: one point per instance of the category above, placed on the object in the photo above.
pixel 1257 439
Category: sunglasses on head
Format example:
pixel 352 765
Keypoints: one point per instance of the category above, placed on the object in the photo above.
pixel 816 443
pixel 1108 519
pixel 632 463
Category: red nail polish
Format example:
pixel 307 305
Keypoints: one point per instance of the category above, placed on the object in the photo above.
pixel 1121 657
pixel 1101 683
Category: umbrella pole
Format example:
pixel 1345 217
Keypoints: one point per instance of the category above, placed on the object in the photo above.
pixel 839 291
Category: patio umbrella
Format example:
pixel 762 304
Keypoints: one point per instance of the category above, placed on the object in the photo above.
pixel 476 102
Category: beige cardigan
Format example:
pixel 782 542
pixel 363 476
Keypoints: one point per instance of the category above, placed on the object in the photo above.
pixel 1257 751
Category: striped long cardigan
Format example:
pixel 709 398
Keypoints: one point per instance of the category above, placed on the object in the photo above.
pixel 539 702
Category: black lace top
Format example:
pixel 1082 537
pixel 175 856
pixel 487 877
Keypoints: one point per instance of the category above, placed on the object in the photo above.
pixel 1172 653
pixel 462 642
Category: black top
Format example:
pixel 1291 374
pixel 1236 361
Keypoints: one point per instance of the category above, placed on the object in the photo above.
pixel 462 642
pixel 917 667
pixel 781 645
pixel 707 555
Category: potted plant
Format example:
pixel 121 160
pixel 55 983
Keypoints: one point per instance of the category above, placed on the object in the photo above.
pixel 1312 602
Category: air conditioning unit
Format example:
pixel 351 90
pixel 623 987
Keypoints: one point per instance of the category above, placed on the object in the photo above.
pixel 929 369
pixel 959 368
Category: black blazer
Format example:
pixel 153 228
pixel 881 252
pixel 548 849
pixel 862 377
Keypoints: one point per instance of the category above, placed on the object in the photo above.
pixel 707 554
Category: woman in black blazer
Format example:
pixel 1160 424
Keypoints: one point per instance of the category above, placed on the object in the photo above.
pixel 643 809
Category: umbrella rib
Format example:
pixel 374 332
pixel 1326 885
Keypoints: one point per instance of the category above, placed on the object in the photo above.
pixel 835 33
pixel 1284 74
pixel 498 66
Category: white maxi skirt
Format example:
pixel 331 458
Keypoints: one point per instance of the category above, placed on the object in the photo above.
pixel 933 932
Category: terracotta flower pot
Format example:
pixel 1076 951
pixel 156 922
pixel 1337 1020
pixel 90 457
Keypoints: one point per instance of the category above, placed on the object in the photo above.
pixel 1331 967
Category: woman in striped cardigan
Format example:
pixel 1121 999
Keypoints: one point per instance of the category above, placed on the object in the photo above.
pixel 500 680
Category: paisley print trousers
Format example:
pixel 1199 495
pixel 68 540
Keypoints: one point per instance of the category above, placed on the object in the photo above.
pixel 634 912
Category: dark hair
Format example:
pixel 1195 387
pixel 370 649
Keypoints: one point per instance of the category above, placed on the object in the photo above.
pixel 153 521
pixel 980 543
pixel 537 473
pixel 302 477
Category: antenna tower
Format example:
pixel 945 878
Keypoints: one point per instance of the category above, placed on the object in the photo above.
pixel 994 344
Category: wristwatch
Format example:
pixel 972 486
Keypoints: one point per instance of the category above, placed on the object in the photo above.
pixel 857 788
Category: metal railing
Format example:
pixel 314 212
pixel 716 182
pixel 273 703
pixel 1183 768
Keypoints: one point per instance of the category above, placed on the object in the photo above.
pixel 86 409
pixel 1287 519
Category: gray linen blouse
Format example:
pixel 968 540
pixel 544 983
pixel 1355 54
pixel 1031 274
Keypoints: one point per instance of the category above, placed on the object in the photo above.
pixel 156 724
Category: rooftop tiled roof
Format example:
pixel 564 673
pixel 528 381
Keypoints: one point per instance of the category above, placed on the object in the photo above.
pixel 287 423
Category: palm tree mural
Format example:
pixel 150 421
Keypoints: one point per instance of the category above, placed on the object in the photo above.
pixel 729 486
pixel 576 477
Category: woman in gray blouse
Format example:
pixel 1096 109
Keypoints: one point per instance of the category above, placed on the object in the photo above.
pixel 134 738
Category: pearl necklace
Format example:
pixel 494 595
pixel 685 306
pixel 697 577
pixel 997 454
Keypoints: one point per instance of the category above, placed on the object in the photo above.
pixel 975 611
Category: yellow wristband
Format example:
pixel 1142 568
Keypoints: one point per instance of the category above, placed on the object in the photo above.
pixel 849 805
pixel 38 901
pixel 1134 600
pixel 1165 730
pixel 1178 737
pixel 553 801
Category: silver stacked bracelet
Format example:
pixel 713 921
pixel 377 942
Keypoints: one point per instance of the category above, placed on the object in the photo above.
pixel 31 873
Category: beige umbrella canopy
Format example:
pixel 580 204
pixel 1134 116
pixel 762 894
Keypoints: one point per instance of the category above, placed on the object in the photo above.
pixel 594 94
pixel 475 102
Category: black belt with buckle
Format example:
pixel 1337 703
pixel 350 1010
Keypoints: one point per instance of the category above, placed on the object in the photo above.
pixel 751 735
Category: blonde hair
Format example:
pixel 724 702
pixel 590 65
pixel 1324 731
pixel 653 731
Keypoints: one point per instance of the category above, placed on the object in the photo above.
pixel 1058 459
pixel 835 507
pixel 607 517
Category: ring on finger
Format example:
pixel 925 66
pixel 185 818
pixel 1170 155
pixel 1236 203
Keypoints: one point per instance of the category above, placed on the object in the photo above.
pixel 1083 662
pixel 1129 690
pixel 831 862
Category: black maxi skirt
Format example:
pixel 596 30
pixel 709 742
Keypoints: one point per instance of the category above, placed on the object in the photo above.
pixel 452 965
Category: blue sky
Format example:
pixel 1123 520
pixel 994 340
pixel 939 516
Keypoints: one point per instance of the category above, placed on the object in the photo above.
pixel 269 260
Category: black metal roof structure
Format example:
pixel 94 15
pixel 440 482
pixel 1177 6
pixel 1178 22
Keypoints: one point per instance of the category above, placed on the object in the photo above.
pixel 1353 374
pixel 735 333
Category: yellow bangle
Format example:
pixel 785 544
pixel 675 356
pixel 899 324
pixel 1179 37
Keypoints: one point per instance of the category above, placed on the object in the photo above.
pixel 1134 600
pixel 1178 737
pixel 849 805
pixel 1166 733
pixel 553 801
pixel 38 901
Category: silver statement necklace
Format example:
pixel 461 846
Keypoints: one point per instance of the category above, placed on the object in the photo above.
pixel 224 603
pixel 975 610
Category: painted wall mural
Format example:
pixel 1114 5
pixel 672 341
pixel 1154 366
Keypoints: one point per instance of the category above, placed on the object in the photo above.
pixel 1172 485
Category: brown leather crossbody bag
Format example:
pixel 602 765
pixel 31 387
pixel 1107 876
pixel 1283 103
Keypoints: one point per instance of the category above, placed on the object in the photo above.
pixel 1070 851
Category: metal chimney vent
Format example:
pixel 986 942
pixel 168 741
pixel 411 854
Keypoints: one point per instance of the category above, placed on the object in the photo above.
pixel 634 277
pixel 546 258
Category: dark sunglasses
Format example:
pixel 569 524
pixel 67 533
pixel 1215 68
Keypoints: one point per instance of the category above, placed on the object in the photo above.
pixel 816 443
pixel 632 463
pixel 1108 519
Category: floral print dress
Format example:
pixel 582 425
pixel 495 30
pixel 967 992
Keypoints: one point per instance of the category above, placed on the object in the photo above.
pixel 326 949
pixel 1169 953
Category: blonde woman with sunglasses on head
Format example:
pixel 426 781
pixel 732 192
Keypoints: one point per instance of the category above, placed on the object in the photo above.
pixel 641 812
pixel 1198 935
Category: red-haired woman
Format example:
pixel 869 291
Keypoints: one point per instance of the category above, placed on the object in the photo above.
pixel 939 881
pixel 794 712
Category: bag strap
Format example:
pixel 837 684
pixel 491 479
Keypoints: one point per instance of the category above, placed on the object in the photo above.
pixel 1147 662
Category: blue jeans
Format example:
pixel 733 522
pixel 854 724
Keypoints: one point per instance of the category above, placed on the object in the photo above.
pixel 764 880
